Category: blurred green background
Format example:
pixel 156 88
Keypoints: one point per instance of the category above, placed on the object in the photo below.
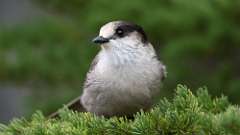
pixel 46 53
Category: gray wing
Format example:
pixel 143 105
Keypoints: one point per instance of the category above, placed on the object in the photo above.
pixel 89 79
pixel 76 104
pixel 157 83
pixel 164 72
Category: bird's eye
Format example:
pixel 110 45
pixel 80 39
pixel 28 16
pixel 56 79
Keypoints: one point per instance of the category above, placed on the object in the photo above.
pixel 119 32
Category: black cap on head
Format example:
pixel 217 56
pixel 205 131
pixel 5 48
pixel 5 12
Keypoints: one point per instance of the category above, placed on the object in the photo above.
pixel 119 29
pixel 123 28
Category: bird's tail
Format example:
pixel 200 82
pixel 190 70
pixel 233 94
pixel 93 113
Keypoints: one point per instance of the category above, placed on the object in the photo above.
pixel 74 105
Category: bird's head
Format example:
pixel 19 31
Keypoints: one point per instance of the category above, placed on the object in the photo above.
pixel 121 35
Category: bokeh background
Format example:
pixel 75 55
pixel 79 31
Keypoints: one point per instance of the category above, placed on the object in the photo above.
pixel 45 48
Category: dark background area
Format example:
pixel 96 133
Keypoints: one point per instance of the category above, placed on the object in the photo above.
pixel 45 48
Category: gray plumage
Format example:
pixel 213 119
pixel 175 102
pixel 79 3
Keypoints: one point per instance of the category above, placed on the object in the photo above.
pixel 125 76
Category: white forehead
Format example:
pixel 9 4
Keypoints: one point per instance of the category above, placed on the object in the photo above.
pixel 108 29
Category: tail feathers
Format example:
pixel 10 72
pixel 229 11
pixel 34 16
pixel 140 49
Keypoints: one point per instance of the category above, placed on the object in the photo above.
pixel 74 105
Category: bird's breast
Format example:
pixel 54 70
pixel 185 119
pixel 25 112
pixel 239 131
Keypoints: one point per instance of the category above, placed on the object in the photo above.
pixel 119 84
pixel 134 77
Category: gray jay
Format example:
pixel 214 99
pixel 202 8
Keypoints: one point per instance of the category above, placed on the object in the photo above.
pixel 125 76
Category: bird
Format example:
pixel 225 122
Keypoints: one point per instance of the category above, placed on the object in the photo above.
pixel 125 76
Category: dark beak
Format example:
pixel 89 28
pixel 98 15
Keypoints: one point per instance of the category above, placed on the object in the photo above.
pixel 100 40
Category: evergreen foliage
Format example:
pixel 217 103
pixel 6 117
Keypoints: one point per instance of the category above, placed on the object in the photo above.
pixel 185 114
